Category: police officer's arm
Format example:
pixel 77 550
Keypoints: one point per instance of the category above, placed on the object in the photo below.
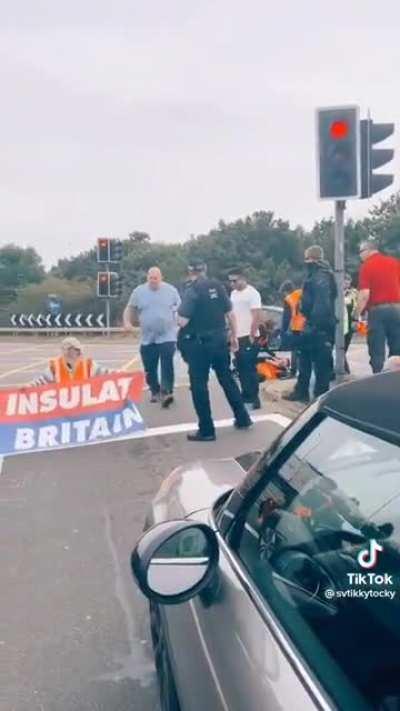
pixel 187 307
pixel 230 318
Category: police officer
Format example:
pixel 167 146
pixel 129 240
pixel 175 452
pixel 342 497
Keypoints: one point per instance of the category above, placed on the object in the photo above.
pixel 204 314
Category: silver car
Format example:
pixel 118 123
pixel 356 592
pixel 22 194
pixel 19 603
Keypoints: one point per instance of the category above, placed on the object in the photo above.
pixel 279 588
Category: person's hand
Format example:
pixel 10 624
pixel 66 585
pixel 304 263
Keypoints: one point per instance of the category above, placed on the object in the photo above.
pixel 234 344
pixel 128 328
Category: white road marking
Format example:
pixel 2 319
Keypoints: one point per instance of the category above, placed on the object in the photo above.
pixel 130 363
pixel 31 366
pixel 278 419
pixel 219 424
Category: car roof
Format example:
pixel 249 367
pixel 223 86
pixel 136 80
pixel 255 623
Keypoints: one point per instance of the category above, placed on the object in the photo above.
pixel 371 404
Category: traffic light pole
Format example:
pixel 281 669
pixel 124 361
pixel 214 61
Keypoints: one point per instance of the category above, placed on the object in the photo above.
pixel 340 206
pixel 108 318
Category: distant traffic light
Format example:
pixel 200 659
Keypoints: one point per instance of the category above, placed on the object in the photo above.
pixel 115 285
pixel 103 284
pixel 372 158
pixel 116 250
pixel 109 285
pixel 339 152
pixel 103 249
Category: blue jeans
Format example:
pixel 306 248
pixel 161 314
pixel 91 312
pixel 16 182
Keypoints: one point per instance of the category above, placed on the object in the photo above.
pixel 383 326
pixel 152 355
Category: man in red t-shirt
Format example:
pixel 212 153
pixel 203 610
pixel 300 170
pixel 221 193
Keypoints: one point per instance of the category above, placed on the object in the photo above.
pixel 379 284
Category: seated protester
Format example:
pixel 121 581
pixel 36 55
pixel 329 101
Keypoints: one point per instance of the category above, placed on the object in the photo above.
pixel 70 366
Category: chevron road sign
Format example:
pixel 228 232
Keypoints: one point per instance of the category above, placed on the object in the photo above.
pixel 63 321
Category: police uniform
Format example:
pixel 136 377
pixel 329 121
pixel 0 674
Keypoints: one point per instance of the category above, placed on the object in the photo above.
pixel 205 345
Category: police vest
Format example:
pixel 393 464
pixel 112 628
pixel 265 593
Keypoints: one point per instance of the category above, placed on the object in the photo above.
pixel 210 308
pixel 297 321
pixel 63 374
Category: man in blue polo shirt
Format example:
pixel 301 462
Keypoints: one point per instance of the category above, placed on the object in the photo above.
pixel 154 306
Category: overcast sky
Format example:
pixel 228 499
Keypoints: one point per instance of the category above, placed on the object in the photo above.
pixel 167 115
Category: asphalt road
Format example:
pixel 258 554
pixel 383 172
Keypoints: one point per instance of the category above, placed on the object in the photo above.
pixel 73 629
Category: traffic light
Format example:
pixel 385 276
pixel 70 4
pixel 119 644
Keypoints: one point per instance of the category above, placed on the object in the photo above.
pixel 116 249
pixel 372 158
pixel 115 285
pixel 339 152
pixel 103 249
pixel 103 284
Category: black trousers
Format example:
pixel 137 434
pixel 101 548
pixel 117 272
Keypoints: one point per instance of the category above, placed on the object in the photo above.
pixel 317 357
pixel 152 355
pixel 202 355
pixel 383 327
pixel 246 365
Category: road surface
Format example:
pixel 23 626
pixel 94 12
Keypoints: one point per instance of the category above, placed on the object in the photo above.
pixel 73 631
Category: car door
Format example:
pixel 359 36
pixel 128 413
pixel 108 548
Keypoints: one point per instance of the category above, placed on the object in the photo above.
pixel 289 625
pixel 224 656
pixel 284 625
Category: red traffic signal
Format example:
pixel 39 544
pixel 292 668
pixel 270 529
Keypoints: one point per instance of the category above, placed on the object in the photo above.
pixel 103 284
pixel 339 130
pixel 338 136
pixel 109 285
pixel 103 249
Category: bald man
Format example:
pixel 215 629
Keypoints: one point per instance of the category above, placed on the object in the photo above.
pixel 154 307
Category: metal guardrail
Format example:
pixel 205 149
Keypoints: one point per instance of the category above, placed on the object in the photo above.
pixel 77 329
pixel 14 330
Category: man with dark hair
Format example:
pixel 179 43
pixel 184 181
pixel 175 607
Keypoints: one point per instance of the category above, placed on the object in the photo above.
pixel 246 302
pixel 318 308
pixel 204 313
pixel 379 295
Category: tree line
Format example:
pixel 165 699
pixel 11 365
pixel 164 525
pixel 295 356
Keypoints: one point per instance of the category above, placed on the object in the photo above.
pixel 267 247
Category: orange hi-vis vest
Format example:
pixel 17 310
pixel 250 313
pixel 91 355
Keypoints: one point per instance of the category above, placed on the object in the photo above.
pixel 298 321
pixel 63 375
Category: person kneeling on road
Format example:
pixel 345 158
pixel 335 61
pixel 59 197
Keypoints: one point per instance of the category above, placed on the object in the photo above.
pixel 70 366
pixel 203 313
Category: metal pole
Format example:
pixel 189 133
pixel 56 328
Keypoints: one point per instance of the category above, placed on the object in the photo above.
pixel 108 315
pixel 108 318
pixel 340 206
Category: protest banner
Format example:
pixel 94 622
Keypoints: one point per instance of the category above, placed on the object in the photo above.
pixel 51 417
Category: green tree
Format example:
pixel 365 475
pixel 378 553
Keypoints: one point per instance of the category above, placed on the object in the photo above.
pixel 77 296
pixel 20 266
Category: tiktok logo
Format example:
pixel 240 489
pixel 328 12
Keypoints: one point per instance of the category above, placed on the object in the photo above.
pixel 368 558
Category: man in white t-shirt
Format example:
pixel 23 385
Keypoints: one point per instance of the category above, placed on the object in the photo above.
pixel 246 302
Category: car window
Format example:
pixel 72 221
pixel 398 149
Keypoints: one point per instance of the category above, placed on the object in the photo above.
pixel 322 543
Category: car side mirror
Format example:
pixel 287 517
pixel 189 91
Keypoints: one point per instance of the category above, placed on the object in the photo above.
pixel 174 561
